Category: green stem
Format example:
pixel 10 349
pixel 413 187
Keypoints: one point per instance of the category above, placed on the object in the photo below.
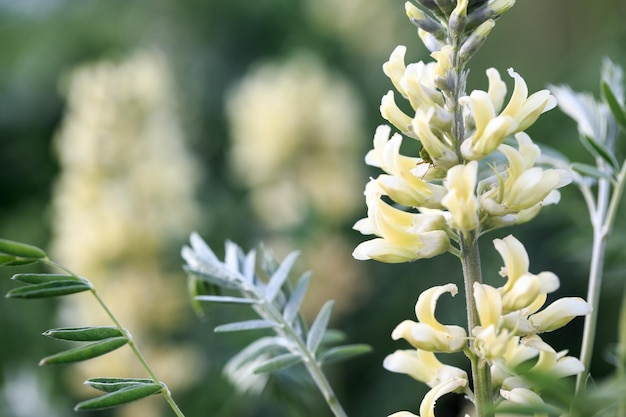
pixel 602 218
pixel 481 375
pixel 131 343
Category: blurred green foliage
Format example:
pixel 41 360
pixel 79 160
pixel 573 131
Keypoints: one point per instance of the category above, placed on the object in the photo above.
pixel 212 43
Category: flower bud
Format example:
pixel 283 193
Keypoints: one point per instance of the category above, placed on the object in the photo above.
pixel 458 18
pixel 423 21
pixel 475 40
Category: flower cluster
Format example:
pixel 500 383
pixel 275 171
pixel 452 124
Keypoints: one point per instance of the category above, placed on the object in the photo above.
pixel 511 319
pixel 476 171
pixel 466 178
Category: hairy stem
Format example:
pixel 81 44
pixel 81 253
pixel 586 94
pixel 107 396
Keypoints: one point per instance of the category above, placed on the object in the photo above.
pixel 602 215
pixel 470 259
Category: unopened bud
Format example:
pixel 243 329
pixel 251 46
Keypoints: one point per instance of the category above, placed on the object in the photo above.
pixel 458 17
pixel 475 40
pixel 423 21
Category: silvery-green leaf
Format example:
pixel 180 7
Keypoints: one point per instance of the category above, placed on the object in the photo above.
pixel 280 276
pixel 297 296
pixel 584 109
pixel 249 266
pixel 278 363
pixel 201 248
pixel 245 325
pixel 318 328
pixel 225 299
pixel 233 256
pixel 84 334
pixel 85 352
pixel 340 353
pixel 119 397
pixel 214 276
pixel 116 384
pixel 258 348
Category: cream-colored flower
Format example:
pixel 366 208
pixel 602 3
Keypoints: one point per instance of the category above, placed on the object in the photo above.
pixel 461 200
pixel 559 313
pixel 422 366
pixel 439 149
pixel 404 236
pixel 392 113
pixel 490 128
pixel 521 396
pixel 428 334
pixel 427 406
pixel 524 109
pixel 556 363
pixel 402 184
pixel 522 288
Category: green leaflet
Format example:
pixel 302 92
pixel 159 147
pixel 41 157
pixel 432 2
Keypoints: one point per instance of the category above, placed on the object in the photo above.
pixel 119 397
pixel 43 278
pixel 84 334
pixel 9 260
pixel 21 250
pixel 49 289
pixel 82 353
pixel 116 384
pixel 616 108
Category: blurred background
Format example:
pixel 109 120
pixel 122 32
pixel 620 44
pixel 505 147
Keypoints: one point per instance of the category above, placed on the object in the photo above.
pixel 124 126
